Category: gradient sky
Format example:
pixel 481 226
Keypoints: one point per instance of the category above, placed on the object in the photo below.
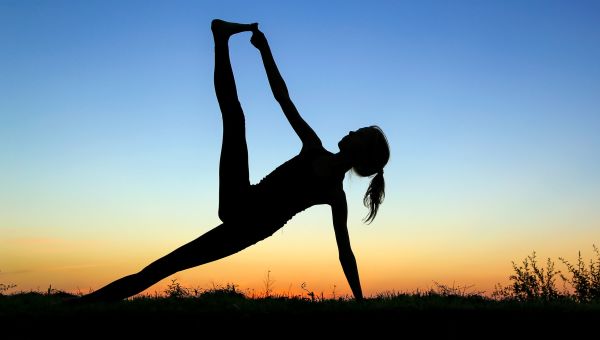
pixel 110 137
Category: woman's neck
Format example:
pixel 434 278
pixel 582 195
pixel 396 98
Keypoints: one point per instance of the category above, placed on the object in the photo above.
pixel 340 163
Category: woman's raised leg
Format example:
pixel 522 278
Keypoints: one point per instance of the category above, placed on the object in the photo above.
pixel 234 179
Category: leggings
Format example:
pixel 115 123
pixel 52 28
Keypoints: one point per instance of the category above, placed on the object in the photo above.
pixel 232 235
pixel 234 179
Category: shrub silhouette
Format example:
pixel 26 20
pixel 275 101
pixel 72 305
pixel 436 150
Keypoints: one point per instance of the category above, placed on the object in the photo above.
pixel 585 280
pixel 176 291
pixel 6 287
pixel 530 282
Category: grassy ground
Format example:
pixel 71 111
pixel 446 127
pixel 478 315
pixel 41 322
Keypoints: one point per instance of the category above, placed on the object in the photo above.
pixel 230 313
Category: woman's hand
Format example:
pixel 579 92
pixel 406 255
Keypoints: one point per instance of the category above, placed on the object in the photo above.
pixel 259 40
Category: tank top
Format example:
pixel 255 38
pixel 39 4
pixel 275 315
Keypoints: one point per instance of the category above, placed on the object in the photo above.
pixel 291 188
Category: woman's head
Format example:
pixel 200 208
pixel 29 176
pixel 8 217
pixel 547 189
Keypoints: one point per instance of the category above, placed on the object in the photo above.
pixel 368 151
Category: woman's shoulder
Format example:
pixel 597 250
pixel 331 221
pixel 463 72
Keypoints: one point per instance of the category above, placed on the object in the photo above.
pixel 314 149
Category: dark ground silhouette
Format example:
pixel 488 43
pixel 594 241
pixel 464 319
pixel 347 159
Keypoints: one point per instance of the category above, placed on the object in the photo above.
pixel 34 315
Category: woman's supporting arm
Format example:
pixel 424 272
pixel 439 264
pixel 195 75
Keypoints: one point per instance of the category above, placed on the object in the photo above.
pixel 339 209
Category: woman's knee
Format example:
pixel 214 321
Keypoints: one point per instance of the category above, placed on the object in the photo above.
pixel 227 213
pixel 232 211
pixel 233 203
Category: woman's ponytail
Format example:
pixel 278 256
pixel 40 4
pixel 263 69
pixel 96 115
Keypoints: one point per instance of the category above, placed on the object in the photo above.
pixel 374 196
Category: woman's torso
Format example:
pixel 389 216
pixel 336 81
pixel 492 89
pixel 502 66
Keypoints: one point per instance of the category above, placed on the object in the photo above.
pixel 293 187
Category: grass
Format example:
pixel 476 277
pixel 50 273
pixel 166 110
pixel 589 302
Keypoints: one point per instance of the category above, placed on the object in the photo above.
pixel 446 311
pixel 531 306
pixel 408 311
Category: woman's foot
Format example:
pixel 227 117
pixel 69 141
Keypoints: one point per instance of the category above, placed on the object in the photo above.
pixel 225 29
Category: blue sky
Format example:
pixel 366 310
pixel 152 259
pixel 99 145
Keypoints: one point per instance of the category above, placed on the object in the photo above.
pixel 109 127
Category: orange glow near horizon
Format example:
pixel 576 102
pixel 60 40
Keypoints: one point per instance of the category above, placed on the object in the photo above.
pixel 388 265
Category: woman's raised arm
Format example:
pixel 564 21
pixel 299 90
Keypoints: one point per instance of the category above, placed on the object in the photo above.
pixel 307 135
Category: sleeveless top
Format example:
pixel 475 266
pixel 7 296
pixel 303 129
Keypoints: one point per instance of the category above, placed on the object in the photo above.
pixel 291 188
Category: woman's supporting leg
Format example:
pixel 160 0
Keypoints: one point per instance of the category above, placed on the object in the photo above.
pixel 220 242
pixel 234 179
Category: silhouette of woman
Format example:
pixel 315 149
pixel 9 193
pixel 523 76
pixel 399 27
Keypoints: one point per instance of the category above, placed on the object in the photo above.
pixel 250 213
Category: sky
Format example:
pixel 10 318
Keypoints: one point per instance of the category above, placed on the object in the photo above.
pixel 110 136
